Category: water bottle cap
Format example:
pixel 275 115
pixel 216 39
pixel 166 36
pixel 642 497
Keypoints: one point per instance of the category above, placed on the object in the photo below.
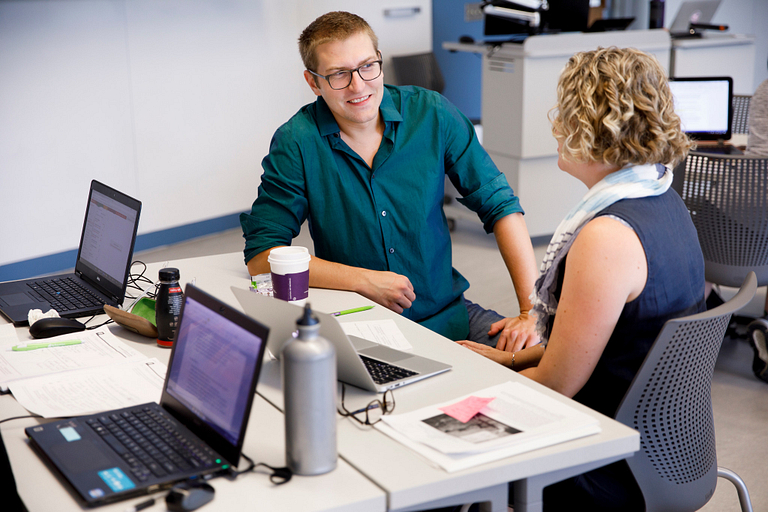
pixel 308 318
pixel 169 274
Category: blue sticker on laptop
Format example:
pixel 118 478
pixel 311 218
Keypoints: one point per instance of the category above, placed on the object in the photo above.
pixel 116 479
pixel 96 493
pixel 70 434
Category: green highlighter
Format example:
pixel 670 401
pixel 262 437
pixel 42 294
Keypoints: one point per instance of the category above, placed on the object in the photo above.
pixel 34 346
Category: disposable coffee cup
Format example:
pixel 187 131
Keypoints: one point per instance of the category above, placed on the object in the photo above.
pixel 290 273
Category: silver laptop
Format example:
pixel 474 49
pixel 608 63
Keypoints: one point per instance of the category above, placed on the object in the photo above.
pixel 696 11
pixel 358 360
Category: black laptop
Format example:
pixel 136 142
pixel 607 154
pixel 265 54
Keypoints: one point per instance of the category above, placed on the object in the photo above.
pixel 705 107
pixel 102 266
pixel 197 429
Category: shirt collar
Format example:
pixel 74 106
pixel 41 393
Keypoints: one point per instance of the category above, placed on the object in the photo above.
pixel 327 124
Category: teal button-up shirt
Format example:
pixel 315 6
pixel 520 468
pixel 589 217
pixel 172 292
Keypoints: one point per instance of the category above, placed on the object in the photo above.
pixel 388 217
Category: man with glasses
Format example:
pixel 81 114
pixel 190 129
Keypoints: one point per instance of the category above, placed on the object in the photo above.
pixel 366 165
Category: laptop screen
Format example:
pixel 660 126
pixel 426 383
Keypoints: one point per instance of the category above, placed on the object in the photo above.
pixel 213 370
pixel 704 106
pixel 109 234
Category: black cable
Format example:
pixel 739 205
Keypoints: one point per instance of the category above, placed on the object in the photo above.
pixel 279 476
pixel 21 417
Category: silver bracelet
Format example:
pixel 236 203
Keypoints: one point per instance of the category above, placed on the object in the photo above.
pixel 513 361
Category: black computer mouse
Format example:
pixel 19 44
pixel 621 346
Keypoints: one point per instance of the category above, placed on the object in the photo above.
pixel 189 496
pixel 47 327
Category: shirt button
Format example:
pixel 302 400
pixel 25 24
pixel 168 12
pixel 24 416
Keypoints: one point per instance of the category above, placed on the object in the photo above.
pixel 384 213
pixel 391 250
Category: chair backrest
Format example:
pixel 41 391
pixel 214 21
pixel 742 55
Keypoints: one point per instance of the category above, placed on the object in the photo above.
pixel 740 122
pixel 669 404
pixel 419 69
pixel 727 197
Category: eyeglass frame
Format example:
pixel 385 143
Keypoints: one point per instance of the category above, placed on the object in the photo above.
pixel 373 404
pixel 380 62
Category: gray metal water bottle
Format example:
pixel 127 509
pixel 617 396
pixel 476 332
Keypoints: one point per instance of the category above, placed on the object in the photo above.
pixel 308 366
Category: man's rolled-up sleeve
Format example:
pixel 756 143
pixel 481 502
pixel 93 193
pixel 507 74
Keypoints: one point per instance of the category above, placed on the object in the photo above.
pixel 281 206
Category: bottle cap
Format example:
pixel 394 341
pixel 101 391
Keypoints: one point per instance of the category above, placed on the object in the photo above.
pixel 308 318
pixel 169 274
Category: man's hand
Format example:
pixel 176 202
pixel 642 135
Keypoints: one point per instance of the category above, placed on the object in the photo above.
pixel 389 289
pixel 516 333
pixel 500 356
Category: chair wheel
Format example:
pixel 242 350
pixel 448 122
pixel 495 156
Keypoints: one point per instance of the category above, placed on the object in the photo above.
pixel 758 336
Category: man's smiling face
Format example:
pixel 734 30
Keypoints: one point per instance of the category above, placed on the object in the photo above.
pixel 359 103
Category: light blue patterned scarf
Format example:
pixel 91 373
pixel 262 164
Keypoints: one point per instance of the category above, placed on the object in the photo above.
pixel 630 182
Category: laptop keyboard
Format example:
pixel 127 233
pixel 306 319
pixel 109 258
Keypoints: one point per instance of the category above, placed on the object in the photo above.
pixel 66 294
pixel 384 373
pixel 150 444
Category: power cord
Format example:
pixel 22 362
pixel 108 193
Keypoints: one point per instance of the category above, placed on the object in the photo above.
pixel 279 476
pixel 20 417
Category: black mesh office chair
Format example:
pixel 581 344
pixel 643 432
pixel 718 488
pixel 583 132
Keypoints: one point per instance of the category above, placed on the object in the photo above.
pixel 740 123
pixel 727 196
pixel 419 69
pixel 669 403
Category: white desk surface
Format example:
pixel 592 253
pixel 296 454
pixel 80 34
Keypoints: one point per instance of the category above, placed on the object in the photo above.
pixel 410 482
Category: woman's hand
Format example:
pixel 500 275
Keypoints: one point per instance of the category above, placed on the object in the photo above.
pixel 494 354
pixel 516 333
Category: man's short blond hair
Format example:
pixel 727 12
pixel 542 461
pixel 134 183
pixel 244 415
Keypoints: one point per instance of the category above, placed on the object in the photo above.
pixel 332 26
pixel 615 106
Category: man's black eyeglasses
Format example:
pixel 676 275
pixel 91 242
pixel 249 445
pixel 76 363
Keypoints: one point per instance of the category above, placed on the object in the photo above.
pixel 341 79
pixel 373 411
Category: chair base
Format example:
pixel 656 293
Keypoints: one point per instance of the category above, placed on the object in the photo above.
pixel 741 487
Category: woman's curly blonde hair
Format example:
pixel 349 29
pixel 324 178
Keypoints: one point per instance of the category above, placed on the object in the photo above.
pixel 614 106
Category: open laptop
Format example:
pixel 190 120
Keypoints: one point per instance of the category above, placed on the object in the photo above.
pixel 696 11
pixel 198 427
pixel 357 360
pixel 705 107
pixel 102 266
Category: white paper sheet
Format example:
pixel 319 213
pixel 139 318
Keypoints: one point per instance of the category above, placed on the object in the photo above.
pixel 91 390
pixel 519 419
pixel 99 347
pixel 383 332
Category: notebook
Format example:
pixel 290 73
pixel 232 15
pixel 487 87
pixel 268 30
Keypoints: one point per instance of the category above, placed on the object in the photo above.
pixel 705 107
pixel 101 270
pixel 197 429
pixel 357 360
pixel 696 11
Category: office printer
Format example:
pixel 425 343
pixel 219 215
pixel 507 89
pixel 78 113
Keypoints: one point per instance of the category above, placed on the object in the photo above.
pixel 502 17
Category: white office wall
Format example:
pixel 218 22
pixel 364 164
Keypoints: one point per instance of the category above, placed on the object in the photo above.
pixel 171 101
pixel 741 16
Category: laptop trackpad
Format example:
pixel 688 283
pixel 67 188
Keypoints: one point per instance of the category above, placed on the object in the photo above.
pixel 17 299
pixel 385 354
pixel 81 456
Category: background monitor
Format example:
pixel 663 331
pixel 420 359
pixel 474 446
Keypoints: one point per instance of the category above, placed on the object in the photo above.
pixel 705 106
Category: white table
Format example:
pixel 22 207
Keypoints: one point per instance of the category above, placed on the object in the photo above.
pixel 410 483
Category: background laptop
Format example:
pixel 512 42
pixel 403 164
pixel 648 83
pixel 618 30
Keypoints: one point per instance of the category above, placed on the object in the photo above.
pixel 705 107
pixel 206 399
pixel 356 358
pixel 697 11
pixel 102 266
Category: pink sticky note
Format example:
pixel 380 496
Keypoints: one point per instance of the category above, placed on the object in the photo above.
pixel 467 408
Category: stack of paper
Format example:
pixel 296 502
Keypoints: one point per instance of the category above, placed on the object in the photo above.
pixel 96 373
pixel 494 423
